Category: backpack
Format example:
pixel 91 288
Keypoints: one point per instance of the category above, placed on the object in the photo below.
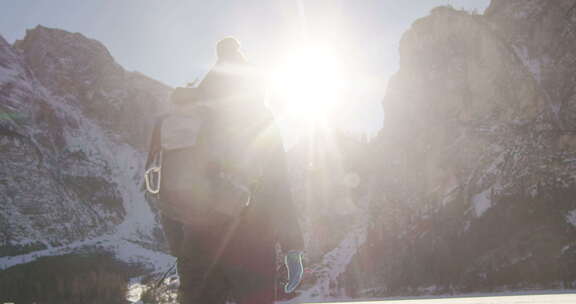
pixel 200 165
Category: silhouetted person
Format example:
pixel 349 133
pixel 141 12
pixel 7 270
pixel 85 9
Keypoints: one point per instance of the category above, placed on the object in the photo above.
pixel 236 259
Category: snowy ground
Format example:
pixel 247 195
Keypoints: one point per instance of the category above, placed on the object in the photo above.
pixel 552 298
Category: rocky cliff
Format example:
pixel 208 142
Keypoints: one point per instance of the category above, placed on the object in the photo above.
pixel 474 182
pixel 73 131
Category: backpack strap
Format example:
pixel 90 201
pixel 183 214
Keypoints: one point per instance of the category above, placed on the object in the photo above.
pixel 154 160
pixel 155 144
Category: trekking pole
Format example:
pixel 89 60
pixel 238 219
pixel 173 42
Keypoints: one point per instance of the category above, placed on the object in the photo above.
pixel 161 280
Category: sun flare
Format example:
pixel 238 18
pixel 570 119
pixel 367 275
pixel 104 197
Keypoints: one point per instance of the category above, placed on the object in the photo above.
pixel 308 81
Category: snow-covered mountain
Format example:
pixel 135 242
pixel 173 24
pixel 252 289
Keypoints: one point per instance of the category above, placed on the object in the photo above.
pixel 74 127
pixel 474 170
pixel 470 185
pixel 74 131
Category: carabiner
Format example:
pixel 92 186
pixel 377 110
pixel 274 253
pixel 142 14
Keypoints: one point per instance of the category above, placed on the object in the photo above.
pixel 149 180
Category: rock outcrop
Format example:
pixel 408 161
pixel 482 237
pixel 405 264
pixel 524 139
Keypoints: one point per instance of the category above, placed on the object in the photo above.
pixel 475 184
pixel 73 131
pixel 83 72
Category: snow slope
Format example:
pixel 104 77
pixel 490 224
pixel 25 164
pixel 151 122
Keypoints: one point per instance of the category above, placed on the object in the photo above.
pixel 72 175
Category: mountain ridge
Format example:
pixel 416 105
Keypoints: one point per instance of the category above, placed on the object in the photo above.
pixel 72 173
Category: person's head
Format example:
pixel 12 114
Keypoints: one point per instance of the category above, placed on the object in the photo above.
pixel 228 49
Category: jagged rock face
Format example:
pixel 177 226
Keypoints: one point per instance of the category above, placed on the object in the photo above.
pixel 543 34
pixel 467 73
pixel 68 172
pixel 82 71
pixel 475 187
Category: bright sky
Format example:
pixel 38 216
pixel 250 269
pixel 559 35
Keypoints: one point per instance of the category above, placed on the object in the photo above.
pixel 173 41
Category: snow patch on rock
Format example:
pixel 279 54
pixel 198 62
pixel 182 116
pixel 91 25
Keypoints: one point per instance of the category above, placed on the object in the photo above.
pixel 571 217
pixel 481 202
pixel 334 263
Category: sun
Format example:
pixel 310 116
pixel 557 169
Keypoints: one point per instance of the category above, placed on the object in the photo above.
pixel 308 81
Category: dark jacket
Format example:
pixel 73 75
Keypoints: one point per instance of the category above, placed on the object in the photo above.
pixel 273 216
pixel 246 268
